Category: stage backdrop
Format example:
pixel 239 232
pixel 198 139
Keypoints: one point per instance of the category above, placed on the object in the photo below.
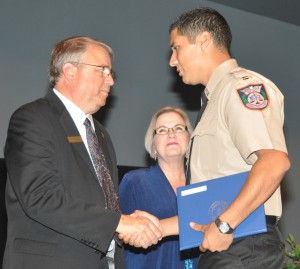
pixel 138 33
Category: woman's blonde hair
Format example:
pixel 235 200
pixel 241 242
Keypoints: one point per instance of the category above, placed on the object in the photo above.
pixel 150 131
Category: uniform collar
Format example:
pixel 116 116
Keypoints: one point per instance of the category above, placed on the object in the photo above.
pixel 218 75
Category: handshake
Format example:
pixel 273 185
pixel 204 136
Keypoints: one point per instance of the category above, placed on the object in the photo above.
pixel 141 229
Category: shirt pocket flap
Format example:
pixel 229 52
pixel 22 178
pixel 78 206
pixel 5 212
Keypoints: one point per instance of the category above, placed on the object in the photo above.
pixel 206 126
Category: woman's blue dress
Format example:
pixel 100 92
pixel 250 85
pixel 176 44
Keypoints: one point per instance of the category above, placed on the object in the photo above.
pixel 149 190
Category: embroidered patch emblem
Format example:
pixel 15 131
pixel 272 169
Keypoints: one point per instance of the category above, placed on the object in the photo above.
pixel 254 96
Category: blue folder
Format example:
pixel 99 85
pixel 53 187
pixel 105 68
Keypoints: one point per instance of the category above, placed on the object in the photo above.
pixel 203 202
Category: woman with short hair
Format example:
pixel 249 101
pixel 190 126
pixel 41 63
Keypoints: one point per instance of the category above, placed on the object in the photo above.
pixel 153 189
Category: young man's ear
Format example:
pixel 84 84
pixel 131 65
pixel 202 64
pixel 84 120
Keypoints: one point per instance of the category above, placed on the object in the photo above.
pixel 203 40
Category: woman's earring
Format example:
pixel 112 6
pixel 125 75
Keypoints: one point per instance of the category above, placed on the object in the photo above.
pixel 155 155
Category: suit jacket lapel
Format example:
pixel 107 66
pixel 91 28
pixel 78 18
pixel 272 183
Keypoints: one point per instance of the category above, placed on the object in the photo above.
pixel 71 130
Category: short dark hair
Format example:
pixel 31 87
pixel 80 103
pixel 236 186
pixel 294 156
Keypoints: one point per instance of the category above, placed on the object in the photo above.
pixel 192 23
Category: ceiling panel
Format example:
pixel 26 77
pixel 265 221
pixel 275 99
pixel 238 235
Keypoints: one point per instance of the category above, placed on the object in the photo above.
pixel 283 10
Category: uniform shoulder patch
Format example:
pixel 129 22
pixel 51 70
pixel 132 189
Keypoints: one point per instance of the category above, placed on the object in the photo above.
pixel 254 96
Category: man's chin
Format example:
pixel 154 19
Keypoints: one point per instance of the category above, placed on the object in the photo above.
pixel 189 82
pixel 98 106
pixel 102 101
pixel 102 104
pixel 185 80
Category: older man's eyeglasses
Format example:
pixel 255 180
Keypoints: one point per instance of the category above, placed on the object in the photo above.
pixel 105 70
pixel 165 130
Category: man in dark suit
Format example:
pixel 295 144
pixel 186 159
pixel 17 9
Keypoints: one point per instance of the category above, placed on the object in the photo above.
pixel 59 213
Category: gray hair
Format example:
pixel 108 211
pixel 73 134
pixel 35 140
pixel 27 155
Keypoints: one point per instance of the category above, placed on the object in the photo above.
pixel 70 50
pixel 150 131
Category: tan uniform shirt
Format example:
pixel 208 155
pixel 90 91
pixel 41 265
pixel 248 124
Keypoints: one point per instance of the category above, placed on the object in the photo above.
pixel 244 114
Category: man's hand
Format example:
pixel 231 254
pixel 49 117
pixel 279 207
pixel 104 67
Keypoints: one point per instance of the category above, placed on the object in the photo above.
pixel 213 239
pixel 139 229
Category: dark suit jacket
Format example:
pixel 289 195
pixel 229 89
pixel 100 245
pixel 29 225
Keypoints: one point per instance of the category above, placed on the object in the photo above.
pixel 55 205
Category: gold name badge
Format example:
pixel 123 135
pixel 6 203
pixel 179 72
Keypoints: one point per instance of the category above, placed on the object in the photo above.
pixel 75 139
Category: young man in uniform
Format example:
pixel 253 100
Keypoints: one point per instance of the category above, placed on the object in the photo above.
pixel 240 130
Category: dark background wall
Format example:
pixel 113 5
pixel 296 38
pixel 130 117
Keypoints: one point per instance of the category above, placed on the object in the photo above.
pixel 266 39
pixel 3 217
